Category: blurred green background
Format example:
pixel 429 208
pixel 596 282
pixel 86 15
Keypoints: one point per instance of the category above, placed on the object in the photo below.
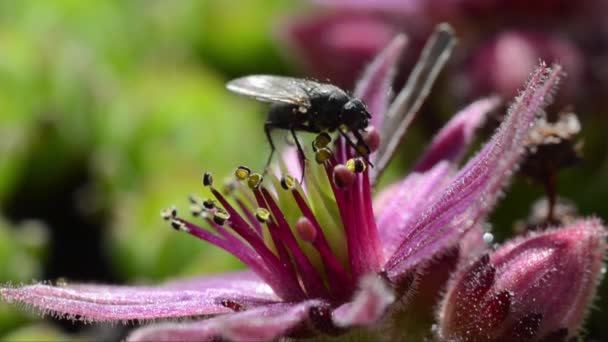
pixel 111 110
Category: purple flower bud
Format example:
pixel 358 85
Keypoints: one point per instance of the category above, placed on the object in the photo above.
pixel 538 287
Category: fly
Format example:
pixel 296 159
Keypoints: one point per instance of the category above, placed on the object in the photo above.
pixel 306 106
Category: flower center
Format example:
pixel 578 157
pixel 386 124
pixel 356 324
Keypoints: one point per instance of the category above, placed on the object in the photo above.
pixel 309 240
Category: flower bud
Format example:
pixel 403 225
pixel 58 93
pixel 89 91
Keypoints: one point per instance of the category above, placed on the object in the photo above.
pixel 533 288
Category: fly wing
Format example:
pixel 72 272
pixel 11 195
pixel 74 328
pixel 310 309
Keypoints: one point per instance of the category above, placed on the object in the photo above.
pixel 269 88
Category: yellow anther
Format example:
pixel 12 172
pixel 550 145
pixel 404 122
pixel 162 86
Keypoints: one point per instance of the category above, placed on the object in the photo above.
pixel 355 165
pixel 220 217
pixel 322 140
pixel 254 180
pixel 322 155
pixel 288 182
pixel 242 173
pixel 262 215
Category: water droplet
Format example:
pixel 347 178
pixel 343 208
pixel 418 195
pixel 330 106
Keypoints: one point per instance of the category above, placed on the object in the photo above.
pixel 488 238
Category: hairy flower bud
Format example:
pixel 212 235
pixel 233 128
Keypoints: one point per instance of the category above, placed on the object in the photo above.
pixel 534 288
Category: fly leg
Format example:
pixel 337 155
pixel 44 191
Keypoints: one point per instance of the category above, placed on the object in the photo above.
pixel 354 146
pixel 267 129
pixel 361 143
pixel 300 152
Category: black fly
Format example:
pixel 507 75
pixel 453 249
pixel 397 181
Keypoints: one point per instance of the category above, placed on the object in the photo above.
pixel 308 106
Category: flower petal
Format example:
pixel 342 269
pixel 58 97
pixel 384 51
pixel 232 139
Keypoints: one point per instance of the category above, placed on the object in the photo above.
pixel 454 138
pixel 375 86
pixel 408 101
pixel 260 324
pixel 475 189
pixel 368 306
pixel 205 296
pixel 404 199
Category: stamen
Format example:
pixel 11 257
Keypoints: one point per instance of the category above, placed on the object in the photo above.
pixel 262 215
pixel 371 137
pixel 288 182
pixel 306 231
pixel 242 173
pixel 196 210
pixel 322 155
pixel 254 180
pixel 343 177
pixel 356 165
pixel 178 225
pixel 310 277
pixel 220 217
pixel 209 204
pixel 207 179
pixel 339 279
pixel 194 199
pixel 168 213
pixel 321 141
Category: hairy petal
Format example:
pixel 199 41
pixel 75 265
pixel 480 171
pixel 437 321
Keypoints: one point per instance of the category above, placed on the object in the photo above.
pixel 119 303
pixel 261 324
pixel 456 136
pixel 396 205
pixel 375 86
pixel 475 189
pixel 368 306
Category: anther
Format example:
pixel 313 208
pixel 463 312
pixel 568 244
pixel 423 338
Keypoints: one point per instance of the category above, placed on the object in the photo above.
pixel 207 179
pixel 229 187
pixel 220 217
pixel 288 182
pixel 343 177
pixel 356 165
pixel 322 155
pixel 178 225
pixel 196 209
pixel 168 213
pixel 306 231
pixel 193 199
pixel 242 173
pixel 254 180
pixel 321 141
pixel 262 215
pixel 209 204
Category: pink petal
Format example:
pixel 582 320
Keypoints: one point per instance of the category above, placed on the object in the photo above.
pixel 368 306
pixel 456 136
pixel 477 186
pixel 114 303
pixel 408 101
pixel 404 200
pixel 261 324
pixel 375 86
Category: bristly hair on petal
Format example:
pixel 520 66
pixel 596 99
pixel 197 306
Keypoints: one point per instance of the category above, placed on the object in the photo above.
pixel 475 189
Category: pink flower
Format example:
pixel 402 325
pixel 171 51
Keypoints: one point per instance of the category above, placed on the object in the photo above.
pixel 322 258
pixel 502 40
pixel 533 288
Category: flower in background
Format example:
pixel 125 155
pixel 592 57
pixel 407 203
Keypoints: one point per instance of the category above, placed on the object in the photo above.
pixel 533 288
pixel 502 40
pixel 322 257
